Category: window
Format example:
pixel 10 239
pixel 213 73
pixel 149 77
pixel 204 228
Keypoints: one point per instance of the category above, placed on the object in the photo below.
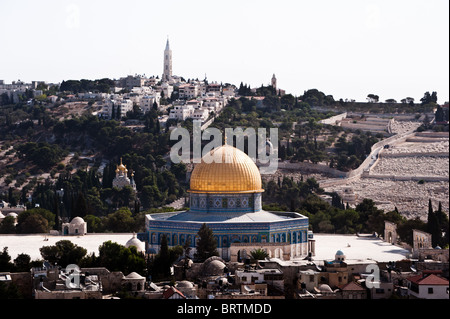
pixel 430 290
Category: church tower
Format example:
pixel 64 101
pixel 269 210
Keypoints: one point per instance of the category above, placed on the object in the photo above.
pixel 274 82
pixel 167 74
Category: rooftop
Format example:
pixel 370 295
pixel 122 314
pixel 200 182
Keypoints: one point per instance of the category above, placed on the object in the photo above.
pixel 357 248
pixel 223 217
pixel 428 280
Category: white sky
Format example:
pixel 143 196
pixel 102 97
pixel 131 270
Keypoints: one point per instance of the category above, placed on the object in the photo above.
pixel 346 48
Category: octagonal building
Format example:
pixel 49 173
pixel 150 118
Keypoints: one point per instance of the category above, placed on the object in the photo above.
pixel 225 193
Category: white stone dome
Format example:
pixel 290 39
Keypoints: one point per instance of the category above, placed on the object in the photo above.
pixel 325 288
pixel 77 221
pixel 136 243
pixel 134 275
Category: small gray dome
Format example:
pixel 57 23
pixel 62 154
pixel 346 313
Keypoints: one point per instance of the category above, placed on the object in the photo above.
pixel 185 284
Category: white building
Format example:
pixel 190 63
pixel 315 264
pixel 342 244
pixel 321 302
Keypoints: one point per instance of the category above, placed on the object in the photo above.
pixel 428 286
pixel 229 91
pixel 201 114
pixel 76 227
pixel 215 104
pixel 189 91
pixel 181 112
pixel 167 89
pixel 147 102
pixel 273 277
pixel 122 105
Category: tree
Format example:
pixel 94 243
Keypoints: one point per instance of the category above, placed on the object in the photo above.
pixel 63 253
pixel 120 221
pixel 7 226
pixel 443 223
pixel 80 207
pixel 439 114
pixel 163 258
pixel 429 98
pixel 259 254
pixel 5 261
pixel 22 263
pixel 206 244
pixel 373 98
pixel 35 220
pixel 34 224
pixel 433 226
pixel 117 257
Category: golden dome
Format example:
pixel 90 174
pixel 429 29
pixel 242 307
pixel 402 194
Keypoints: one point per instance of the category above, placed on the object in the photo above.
pixel 121 167
pixel 226 170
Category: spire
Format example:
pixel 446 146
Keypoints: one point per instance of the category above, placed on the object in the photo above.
pixel 167 44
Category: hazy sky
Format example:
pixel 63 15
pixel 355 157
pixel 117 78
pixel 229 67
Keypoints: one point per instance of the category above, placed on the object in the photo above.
pixel 346 48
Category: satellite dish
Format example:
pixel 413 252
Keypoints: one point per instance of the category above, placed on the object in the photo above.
pixel 413 269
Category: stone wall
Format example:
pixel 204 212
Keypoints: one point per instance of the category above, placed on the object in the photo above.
pixel 412 154
pixel 406 178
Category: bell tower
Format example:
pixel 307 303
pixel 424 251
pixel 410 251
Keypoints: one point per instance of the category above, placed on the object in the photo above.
pixel 274 82
pixel 167 73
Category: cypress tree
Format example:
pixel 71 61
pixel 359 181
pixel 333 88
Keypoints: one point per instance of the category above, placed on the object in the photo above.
pixel 433 226
pixel 80 208
pixel 206 245
pixel 164 257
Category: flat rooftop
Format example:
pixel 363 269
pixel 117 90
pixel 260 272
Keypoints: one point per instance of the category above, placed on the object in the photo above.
pixel 357 248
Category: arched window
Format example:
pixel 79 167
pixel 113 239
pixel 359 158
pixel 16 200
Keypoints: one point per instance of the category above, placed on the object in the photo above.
pixel 225 241
pixel 175 239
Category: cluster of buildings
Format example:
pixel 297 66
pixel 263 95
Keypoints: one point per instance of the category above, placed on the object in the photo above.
pixel 195 99
pixel 333 278
pixel 19 88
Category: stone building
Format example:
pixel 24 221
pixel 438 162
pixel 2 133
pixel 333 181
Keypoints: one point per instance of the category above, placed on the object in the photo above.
pixel 77 227
pixel 133 282
pixel 352 290
pixel 428 286
pixel 421 240
pixel 390 232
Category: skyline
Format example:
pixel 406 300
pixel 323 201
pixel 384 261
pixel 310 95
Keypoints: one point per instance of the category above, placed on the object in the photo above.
pixel 350 50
